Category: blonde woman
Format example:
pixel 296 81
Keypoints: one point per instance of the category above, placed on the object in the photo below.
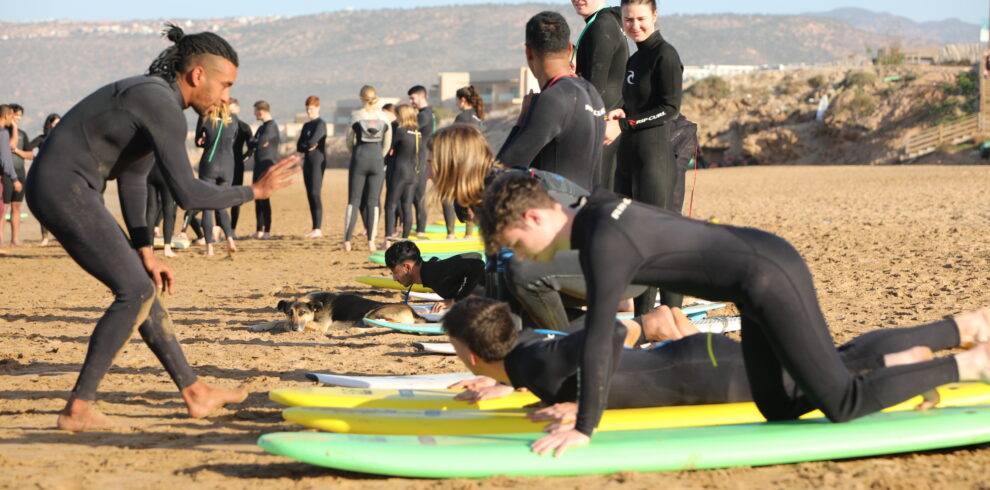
pixel 369 140
pixel 215 134
pixel 405 169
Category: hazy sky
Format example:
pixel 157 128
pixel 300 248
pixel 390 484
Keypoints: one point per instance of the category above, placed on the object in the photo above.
pixel 972 11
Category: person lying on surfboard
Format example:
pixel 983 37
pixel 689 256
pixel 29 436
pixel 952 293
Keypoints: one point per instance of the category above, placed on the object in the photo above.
pixel 621 242
pixel 453 278
pixel 679 372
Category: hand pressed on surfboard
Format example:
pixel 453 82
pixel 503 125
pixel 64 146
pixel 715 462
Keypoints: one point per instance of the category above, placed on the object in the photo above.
pixel 558 412
pixel 277 177
pixel 560 441
pixel 486 393
pixel 473 383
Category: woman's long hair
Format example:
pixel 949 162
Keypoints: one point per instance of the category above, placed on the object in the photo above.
pixel 405 115
pixel 472 97
pixel 369 96
pixel 461 160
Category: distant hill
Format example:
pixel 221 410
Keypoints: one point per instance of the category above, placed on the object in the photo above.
pixel 944 32
pixel 48 66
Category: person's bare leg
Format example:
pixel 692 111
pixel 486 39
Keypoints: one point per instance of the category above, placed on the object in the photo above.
pixel 209 249
pixel 15 224
pixel 202 399
pixel 347 246
pixel 910 356
pixel 80 415
pixel 974 326
pixel 633 332
pixel 372 246
pixel 231 247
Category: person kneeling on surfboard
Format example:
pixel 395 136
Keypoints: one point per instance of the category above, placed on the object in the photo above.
pixel 679 372
pixel 453 278
pixel 621 242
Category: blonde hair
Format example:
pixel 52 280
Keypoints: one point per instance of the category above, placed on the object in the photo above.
pixel 217 113
pixel 406 116
pixel 370 97
pixel 461 160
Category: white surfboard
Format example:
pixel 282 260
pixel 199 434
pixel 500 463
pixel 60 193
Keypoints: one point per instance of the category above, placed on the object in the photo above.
pixel 420 381
pixel 435 348
pixel 425 296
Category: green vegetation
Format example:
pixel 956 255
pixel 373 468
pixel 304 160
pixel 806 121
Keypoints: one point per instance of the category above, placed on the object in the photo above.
pixel 861 104
pixel 859 78
pixel 960 99
pixel 713 87
pixel 816 82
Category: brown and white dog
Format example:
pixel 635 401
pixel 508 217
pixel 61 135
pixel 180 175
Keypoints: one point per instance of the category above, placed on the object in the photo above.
pixel 318 311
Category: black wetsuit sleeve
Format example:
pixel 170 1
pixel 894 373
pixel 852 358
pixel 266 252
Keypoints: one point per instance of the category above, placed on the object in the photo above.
pixel 542 124
pixel 453 278
pixel 319 132
pixel 36 142
pixel 609 260
pixel 268 136
pixel 7 156
pixel 245 137
pixel 132 190
pixel 667 81
pixel 599 48
pixel 165 127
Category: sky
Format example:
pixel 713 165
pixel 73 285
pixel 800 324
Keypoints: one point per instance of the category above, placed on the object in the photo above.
pixel 971 11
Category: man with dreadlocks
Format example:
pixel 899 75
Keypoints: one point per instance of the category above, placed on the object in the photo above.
pixel 118 132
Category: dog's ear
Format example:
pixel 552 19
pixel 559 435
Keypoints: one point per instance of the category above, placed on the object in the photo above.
pixel 314 306
pixel 283 306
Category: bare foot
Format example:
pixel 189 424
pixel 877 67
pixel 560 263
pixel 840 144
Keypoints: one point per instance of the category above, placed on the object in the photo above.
pixel 974 326
pixel 266 236
pixel 451 236
pixel 974 364
pixel 209 249
pixel 202 399
pixel 231 247
pixel 372 246
pixel 17 243
pixel 167 251
pixel 80 415
pixel 4 252
pixel 316 233
pixel 347 246
pixel 665 323
pixel 44 242
pixel 910 356
pixel 199 241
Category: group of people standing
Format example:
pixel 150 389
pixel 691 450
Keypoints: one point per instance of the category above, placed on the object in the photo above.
pixel 16 149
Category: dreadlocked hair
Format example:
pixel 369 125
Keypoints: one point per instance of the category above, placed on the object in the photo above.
pixel 176 58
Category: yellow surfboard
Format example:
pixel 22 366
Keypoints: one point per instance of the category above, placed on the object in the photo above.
pixel 325 396
pixel 384 282
pixel 465 422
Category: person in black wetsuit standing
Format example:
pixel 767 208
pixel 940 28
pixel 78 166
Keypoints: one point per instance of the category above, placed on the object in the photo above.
pixel 599 57
pixel 646 169
pixel 404 170
pixel 50 122
pixel 265 145
pixel 21 153
pixel 471 105
pixel 623 242
pixel 561 129
pixel 112 134
pixel 215 134
pixel 312 144
pixel 427 126
pixel 242 151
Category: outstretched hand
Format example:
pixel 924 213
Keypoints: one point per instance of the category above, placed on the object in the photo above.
pixel 558 412
pixel 277 177
pixel 558 442
pixel 159 272
pixel 487 393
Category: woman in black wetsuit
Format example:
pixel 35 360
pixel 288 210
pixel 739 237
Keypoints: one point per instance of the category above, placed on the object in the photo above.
pixel 114 133
pixel 404 163
pixel 369 138
pixel 471 105
pixel 265 146
pixel 646 169
pixel 216 132
pixel 50 122
pixel 784 332
pixel 312 144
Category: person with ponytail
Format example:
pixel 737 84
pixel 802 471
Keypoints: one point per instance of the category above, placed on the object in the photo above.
pixel 265 145
pixel 369 140
pixel 215 134
pixel 118 132
pixel 471 105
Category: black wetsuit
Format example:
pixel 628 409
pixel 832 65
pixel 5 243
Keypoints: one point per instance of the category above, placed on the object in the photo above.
pixel 624 242
pixel 216 166
pixel 406 146
pixel 562 132
pixel 427 126
pixel 314 134
pixel 646 170
pixel 242 151
pixel 684 141
pixel 470 117
pixel 9 194
pixel 111 134
pixel 600 58
pixel 265 146
pixel 366 175
pixel 682 372
pixel 6 165
pixel 454 277
pixel 161 205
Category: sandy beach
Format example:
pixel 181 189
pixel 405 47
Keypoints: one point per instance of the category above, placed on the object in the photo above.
pixel 888 246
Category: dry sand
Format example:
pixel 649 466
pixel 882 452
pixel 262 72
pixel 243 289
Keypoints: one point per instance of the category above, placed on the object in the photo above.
pixel 887 245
